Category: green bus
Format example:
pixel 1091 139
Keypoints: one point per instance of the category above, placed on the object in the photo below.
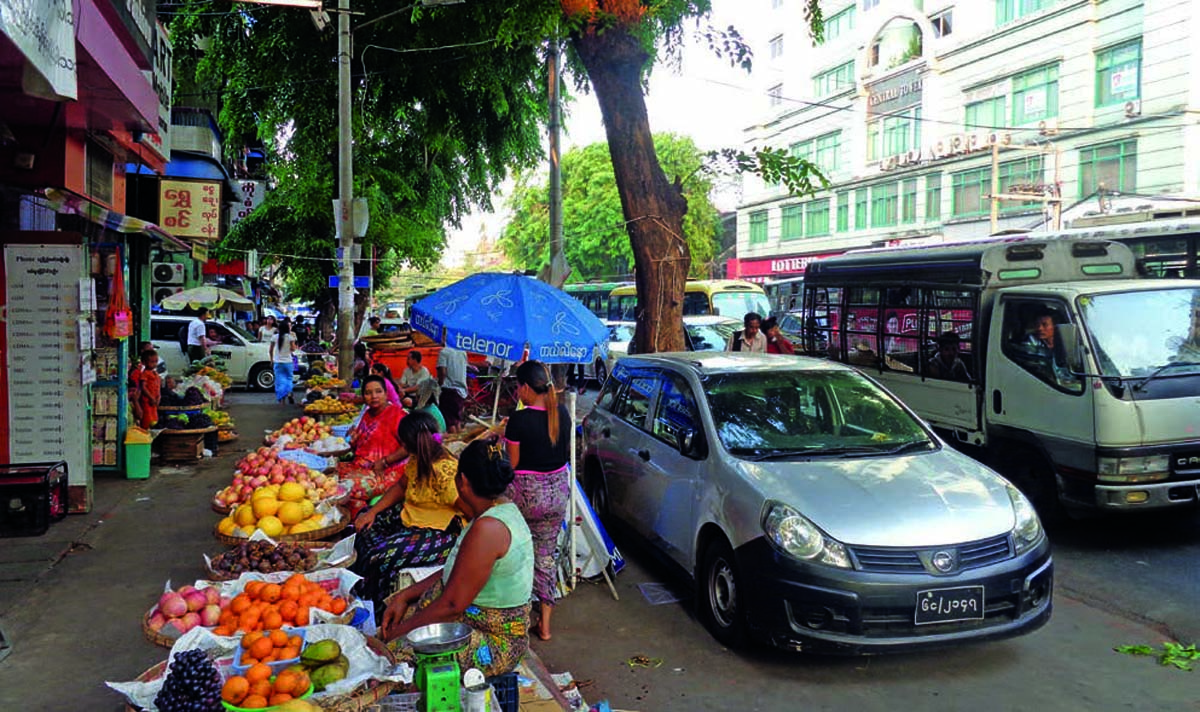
pixel 594 295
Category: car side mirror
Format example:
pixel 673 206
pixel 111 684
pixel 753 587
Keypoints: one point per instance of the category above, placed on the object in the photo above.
pixel 1068 334
pixel 688 443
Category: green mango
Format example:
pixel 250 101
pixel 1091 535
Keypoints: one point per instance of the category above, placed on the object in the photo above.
pixel 321 652
pixel 326 675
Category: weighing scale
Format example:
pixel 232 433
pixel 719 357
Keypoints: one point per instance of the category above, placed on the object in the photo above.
pixel 438 676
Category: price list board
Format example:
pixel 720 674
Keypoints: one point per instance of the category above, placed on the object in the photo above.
pixel 47 407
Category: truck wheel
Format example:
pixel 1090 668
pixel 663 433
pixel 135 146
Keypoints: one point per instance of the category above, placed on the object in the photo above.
pixel 1031 474
pixel 262 378
pixel 718 596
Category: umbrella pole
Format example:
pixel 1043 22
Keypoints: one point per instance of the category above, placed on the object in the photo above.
pixel 499 384
pixel 571 397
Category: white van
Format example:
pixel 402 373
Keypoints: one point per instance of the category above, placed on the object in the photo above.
pixel 247 358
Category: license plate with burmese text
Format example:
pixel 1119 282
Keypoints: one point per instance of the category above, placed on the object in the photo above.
pixel 945 605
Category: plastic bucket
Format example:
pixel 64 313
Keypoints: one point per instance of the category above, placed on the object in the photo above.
pixel 137 461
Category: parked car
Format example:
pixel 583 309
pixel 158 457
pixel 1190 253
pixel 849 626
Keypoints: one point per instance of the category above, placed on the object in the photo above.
pixel 247 358
pixel 810 507
pixel 702 333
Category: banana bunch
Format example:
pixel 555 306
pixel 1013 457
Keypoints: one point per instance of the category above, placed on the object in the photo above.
pixel 324 663
pixel 219 417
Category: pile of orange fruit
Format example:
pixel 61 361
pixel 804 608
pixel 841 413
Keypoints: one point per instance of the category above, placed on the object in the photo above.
pixel 271 646
pixel 267 606
pixel 257 690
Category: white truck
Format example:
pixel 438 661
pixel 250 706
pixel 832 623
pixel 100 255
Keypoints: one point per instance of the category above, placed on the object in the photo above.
pixel 1079 381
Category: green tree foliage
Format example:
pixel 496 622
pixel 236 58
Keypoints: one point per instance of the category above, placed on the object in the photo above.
pixel 442 113
pixel 594 235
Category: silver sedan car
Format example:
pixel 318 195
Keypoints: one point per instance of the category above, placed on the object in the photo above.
pixel 811 508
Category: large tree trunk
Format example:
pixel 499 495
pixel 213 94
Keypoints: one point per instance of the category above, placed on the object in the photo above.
pixel 653 207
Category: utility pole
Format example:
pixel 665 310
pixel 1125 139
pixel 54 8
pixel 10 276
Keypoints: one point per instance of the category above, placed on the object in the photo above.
pixel 345 213
pixel 1049 196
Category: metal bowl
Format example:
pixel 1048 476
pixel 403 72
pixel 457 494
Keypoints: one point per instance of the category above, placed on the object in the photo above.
pixel 439 637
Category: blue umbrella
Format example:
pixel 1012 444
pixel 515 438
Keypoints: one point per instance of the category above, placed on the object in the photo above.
pixel 503 314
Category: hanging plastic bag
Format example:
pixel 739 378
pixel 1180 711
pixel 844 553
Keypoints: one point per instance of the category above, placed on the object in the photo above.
pixel 118 318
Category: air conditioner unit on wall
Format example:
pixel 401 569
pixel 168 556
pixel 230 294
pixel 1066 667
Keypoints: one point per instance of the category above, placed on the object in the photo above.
pixel 160 293
pixel 166 273
pixel 1133 108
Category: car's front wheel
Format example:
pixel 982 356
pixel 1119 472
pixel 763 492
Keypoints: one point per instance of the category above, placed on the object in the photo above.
pixel 601 372
pixel 262 378
pixel 718 597
pixel 596 491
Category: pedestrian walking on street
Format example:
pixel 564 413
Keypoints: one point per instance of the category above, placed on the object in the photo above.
pixel 750 338
pixel 777 343
pixel 452 374
pixel 267 331
pixel 537 437
pixel 281 350
pixel 197 336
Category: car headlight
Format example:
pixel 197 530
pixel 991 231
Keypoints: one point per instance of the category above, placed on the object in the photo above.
pixel 1027 532
pixel 1132 470
pixel 793 533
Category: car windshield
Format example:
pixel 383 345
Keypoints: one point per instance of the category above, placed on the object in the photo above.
pixel 808 414
pixel 1138 333
pixel 620 332
pixel 710 337
pixel 237 329
pixel 739 304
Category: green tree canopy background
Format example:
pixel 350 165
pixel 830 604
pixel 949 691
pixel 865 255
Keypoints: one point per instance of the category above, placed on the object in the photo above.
pixel 595 238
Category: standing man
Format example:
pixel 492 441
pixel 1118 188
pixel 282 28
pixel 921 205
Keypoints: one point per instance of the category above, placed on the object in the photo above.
pixel 197 339
pixel 750 338
pixel 452 374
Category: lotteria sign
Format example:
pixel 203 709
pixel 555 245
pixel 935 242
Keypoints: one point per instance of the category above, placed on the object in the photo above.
pixel 775 267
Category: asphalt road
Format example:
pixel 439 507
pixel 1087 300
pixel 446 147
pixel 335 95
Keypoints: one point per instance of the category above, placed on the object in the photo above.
pixel 1119 581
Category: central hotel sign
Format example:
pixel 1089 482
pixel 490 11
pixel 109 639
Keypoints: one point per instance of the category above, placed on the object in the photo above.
pixel 895 93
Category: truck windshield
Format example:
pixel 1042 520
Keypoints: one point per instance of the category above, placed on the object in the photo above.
pixel 1139 333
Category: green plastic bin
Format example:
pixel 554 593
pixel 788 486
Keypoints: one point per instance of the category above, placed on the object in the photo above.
pixel 137 461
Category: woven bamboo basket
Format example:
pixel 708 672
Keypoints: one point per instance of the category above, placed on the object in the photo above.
pixel 315 535
pixel 184 408
pixel 191 431
pixel 156 638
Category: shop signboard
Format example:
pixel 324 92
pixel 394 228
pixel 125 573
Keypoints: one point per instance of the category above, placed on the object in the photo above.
pixel 252 193
pixel 190 208
pixel 46 397
pixel 776 267
pixel 896 93
pixel 44 32
pixel 159 141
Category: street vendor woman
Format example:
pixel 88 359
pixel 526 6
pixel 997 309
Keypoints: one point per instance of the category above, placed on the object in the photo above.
pixel 488 577
pixel 374 438
pixel 414 523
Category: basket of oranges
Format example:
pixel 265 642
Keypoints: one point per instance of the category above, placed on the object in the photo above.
pixel 267 671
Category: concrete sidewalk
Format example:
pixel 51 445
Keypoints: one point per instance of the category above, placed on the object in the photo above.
pixel 72 600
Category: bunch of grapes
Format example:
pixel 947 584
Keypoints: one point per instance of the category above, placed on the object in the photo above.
pixel 192 685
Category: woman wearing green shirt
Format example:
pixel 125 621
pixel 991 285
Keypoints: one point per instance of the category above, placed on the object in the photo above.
pixel 427 392
pixel 488 578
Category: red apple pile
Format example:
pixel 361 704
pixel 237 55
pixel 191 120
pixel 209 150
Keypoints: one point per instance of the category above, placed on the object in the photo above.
pixel 264 467
pixel 304 430
pixel 179 611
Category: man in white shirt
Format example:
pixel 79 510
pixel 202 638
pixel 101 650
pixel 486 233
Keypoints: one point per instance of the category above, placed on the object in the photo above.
pixel 412 376
pixel 452 374
pixel 751 338
pixel 197 339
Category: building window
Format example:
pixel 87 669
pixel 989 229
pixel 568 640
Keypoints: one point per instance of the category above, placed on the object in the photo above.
pixel 827 149
pixel 802 149
pixel 1118 73
pixel 860 209
pixel 843 211
pixel 776 4
pixel 986 114
pixel 776 46
pixel 933 197
pixel 908 204
pixel 894 135
pixel 884 204
pixel 971 190
pixel 816 218
pixel 943 24
pixel 791 222
pixel 98 173
pixel 775 95
pixel 1009 10
pixel 868 4
pixel 839 24
pixel 758 227
pixel 838 79
pixel 1112 167
pixel 1035 95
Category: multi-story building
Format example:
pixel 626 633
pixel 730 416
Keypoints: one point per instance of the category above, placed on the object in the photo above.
pixel 1091 103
